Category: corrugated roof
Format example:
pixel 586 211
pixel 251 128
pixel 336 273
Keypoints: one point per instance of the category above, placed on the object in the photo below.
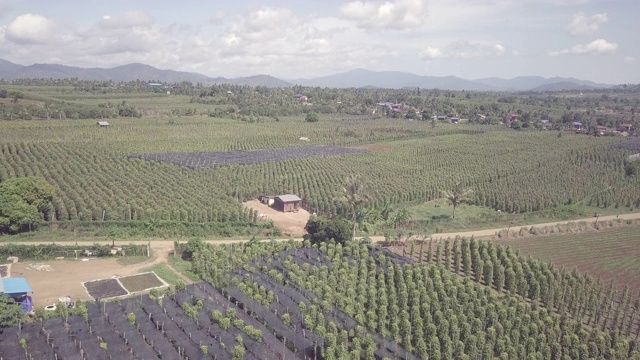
pixel 288 198
pixel 15 286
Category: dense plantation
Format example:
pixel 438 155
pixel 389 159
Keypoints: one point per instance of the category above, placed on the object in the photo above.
pixel 609 255
pixel 357 301
pixel 101 184
pixel 95 181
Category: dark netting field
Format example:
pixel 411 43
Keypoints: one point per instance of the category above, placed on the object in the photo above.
pixel 140 282
pixel 104 289
pixel 204 160
pixel 627 145
pixel 178 325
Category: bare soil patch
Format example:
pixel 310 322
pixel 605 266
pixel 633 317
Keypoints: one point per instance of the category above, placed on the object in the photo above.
pixel 291 223
pixel 104 289
pixel 141 282
pixel 68 275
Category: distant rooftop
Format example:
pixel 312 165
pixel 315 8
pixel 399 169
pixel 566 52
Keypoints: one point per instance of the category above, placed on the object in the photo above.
pixel 289 198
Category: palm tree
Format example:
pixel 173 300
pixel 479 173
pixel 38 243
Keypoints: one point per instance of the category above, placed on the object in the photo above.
pixel 457 196
pixel 355 195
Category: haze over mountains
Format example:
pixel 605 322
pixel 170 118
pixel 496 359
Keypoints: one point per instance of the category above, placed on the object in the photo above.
pixel 357 78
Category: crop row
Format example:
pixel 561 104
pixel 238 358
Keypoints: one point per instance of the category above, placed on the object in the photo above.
pixel 427 310
pixel 508 171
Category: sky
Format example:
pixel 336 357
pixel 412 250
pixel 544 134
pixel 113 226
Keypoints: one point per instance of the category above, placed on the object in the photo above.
pixel 596 40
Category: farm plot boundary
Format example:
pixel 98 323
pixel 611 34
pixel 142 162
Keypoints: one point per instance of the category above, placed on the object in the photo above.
pixel 205 160
pixel 113 288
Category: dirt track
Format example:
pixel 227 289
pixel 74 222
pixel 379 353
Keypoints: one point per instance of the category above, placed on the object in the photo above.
pixel 163 247
pixel 68 275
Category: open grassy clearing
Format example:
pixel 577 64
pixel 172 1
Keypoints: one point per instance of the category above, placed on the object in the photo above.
pixel 184 267
pixel 609 255
pixel 164 273
pixel 435 216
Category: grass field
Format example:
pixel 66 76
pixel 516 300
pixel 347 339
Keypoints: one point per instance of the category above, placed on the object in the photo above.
pixel 609 255
pixel 164 273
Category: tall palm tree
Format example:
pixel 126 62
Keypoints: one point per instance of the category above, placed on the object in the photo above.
pixel 355 195
pixel 457 196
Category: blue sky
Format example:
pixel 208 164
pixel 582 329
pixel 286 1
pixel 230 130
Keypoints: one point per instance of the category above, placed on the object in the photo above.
pixel 595 40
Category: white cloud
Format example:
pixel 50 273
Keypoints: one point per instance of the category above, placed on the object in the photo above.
pixel 463 49
pixel 431 53
pixel 630 60
pixel 128 20
pixel 596 47
pixel 30 29
pixel 396 14
pixel 582 24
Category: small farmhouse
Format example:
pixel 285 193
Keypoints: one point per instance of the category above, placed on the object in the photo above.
pixel 103 124
pixel 287 203
pixel 625 127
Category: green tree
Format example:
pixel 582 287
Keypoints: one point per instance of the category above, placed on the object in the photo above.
pixel 312 117
pixel 457 196
pixel 16 215
pixel 320 229
pixel 355 195
pixel 34 190
pixel 10 312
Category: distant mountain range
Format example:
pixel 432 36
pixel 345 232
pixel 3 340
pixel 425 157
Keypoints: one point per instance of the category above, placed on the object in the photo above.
pixel 357 78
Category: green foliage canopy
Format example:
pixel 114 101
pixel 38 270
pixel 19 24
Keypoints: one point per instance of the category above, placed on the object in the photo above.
pixel 312 117
pixel 10 312
pixel 320 229
pixel 23 202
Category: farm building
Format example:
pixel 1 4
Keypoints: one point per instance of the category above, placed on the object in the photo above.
pixel 103 124
pixel 287 203
pixel 17 289
pixel 625 127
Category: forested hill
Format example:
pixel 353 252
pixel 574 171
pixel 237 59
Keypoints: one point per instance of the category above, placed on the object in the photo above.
pixel 357 78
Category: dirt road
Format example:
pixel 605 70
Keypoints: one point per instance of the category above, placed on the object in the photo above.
pixel 69 274
pixel 162 247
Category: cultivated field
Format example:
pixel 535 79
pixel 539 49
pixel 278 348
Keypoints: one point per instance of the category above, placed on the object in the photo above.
pixel 249 144
pixel 611 255
pixel 203 160
pixel 287 299
pixel 117 287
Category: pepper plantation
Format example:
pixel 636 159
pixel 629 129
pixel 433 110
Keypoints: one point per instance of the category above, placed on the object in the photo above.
pixel 461 299
pixel 101 179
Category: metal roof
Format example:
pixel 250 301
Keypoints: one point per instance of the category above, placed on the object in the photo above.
pixel 14 286
pixel 288 198
pixel 103 123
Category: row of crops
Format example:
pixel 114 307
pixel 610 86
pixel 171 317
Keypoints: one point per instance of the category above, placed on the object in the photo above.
pixel 276 300
pixel 365 302
pixel 511 171
pixel 578 296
